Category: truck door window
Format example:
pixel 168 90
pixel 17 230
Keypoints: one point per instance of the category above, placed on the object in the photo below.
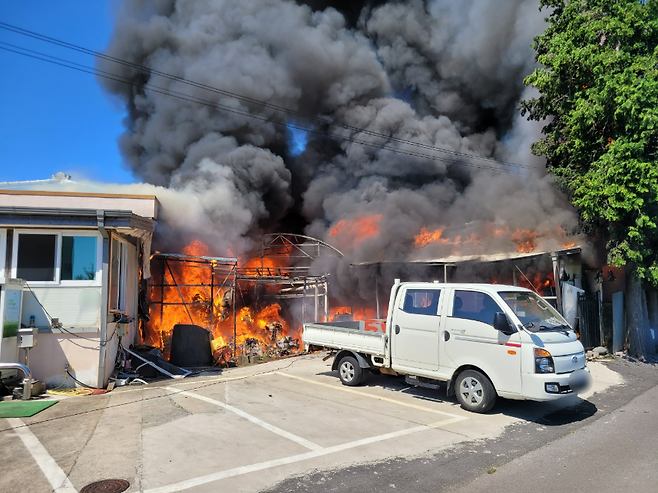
pixel 421 301
pixel 472 305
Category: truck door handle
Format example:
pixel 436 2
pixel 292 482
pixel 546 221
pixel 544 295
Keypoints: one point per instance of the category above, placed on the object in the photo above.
pixel 446 335
pixel 397 329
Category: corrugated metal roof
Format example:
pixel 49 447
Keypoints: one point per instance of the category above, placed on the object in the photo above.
pixel 461 259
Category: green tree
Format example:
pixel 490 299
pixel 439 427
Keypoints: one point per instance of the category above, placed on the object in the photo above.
pixel 598 85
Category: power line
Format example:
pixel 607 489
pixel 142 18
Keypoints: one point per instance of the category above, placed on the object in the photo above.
pixel 321 120
pixel 214 105
pixel 324 121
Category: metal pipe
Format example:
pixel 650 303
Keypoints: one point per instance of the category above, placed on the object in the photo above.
pixel 326 301
pixel 105 281
pixel 315 298
pixel 212 297
pixel 377 290
pixel 17 366
pixel 556 276
pixel 27 381
pixel 304 302
pixel 235 308
pixel 600 301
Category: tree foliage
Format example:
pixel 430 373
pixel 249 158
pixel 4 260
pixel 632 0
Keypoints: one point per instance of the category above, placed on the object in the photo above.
pixel 598 85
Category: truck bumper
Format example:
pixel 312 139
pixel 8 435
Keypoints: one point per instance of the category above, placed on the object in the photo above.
pixel 552 386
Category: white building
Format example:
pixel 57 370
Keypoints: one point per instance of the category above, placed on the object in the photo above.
pixel 81 257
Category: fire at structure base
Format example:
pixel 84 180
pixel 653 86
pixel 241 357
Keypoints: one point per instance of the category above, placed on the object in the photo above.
pixel 247 312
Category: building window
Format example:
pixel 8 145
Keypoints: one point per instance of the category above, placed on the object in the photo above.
pixel 36 260
pixel 78 258
pixel 56 258
pixel 119 264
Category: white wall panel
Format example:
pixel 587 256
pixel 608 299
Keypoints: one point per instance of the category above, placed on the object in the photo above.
pixel 74 307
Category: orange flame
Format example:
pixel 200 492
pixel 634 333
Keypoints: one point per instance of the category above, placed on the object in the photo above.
pixel 349 313
pixel 524 240
pixel 182 294
pixel 540 282
pixel 425 237
pixel 357 230
pixel 264 325
pixel 197 248
pixel 367 315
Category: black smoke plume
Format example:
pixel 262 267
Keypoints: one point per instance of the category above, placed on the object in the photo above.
pixel 443 74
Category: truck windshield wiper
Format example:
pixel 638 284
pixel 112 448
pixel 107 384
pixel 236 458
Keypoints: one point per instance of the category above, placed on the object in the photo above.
pixel 564 329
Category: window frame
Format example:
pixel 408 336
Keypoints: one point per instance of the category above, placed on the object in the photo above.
pixel 122 285
pixel 431 309
pixel 3 254
pixel 59 234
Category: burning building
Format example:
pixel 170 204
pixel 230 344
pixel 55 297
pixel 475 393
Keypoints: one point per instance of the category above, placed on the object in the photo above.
pixel 251 310
pixel 382 132
pixel 391 141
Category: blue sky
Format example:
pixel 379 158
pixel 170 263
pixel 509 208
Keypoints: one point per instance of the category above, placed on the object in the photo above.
pixel 53 118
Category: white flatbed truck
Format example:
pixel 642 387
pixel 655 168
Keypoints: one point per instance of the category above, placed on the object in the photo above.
pixel 484 340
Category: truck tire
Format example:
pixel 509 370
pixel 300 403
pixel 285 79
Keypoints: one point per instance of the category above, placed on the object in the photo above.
pixel 475 392
pixel 350 372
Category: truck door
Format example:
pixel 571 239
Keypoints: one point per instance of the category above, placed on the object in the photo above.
pixel 470 339
pixel 415 337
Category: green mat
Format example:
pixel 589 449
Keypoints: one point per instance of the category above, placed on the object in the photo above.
pixel 23 409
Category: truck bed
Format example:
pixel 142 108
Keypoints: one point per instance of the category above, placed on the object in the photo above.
pixel 342 335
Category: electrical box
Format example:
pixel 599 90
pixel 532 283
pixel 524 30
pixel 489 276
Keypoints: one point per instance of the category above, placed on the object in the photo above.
pixel 27 337
pixel 122 330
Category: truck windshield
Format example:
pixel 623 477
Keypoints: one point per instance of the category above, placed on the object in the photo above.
pixel 534 312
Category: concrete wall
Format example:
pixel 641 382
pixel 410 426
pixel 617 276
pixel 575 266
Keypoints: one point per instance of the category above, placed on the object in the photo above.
pixel 54 350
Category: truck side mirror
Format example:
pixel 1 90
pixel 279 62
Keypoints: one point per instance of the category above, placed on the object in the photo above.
pixel 502 324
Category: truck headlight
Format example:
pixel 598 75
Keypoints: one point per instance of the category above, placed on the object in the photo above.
pixel 543 361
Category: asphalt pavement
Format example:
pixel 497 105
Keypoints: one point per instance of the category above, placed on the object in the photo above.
pixel 289 425
pixel 614 453
pixel 474 465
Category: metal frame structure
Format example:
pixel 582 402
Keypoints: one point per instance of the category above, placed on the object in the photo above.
pixel 223 274
pixel 299 250
pixel 293 279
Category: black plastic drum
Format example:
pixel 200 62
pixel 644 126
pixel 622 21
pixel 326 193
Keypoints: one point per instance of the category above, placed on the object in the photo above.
pixel 190 346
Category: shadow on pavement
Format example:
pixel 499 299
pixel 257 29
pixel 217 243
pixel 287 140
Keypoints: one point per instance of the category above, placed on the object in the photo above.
pixel 570 409
pixel 567 415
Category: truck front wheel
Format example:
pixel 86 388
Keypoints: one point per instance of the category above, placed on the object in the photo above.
pixel 475 392
pixel 350 372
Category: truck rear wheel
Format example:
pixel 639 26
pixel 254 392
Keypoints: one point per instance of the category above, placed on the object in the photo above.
pixel 475 392
pixel 350 372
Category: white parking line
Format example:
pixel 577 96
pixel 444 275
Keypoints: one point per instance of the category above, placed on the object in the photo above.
pixel 54 474
pixel 342 388
pixel 274 429
pixel 316 450
pixel 191 483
